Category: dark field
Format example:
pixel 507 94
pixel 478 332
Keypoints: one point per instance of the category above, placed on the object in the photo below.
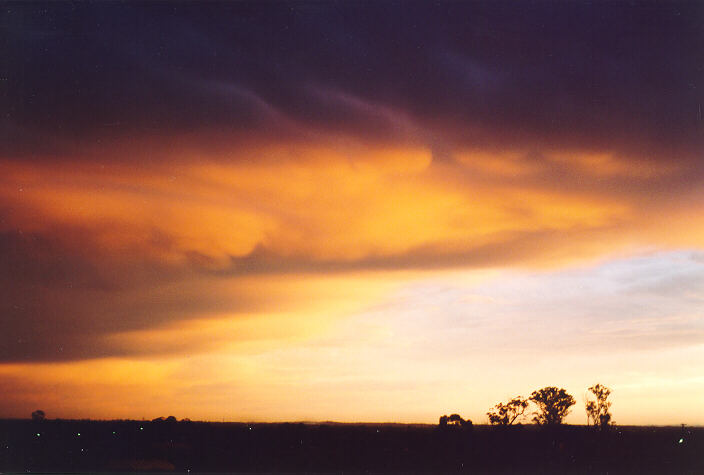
pixel 82 446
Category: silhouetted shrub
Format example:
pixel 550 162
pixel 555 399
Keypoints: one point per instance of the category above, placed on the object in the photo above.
pixel 38 415
pixel 454 420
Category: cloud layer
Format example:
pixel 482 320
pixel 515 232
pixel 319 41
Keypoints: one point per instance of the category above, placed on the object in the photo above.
pixel 623 78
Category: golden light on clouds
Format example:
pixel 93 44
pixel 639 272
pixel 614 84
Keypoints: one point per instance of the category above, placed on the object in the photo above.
pixel 268 280
pixel 315 203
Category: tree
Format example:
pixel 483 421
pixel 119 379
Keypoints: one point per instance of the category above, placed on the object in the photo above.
pixel 553 405
pixel 38 415
pixel 506 414
pixel 454 420
pixel 598 410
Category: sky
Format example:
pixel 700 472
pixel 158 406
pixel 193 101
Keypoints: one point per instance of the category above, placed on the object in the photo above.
pixel 386 211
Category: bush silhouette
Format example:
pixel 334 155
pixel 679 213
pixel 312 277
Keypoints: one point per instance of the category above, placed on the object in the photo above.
pixel 454 420
pixel 38 415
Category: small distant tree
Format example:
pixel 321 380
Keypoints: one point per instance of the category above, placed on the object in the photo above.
pixel 38 415
pixel 455 420
pixel 553 405
pixel 598 409
pixel 506 414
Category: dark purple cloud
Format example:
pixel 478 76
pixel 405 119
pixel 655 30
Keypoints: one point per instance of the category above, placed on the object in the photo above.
pixel 625 77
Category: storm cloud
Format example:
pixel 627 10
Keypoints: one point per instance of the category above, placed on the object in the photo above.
pixel 159 158
pixel 620 77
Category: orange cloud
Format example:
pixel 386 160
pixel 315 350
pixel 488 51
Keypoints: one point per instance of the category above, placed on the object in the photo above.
pixel 316 203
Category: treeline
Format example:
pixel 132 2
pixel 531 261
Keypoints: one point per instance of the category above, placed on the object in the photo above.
pixel 551 404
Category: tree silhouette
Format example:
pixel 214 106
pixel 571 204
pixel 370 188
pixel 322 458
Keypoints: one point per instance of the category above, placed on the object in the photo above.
pixel 454 420
pixel 38 415
pixel 553 405
pixel 506 414
pixel 598 410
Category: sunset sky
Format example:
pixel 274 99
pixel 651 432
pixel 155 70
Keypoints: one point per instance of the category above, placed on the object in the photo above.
pixel 350 211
